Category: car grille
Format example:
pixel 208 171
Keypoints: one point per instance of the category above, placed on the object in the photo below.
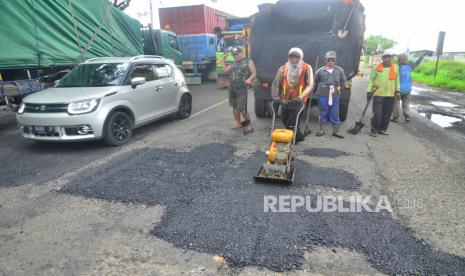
pixel 46 108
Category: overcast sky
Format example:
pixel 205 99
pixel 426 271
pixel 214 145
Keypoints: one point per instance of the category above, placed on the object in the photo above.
pixel 412 23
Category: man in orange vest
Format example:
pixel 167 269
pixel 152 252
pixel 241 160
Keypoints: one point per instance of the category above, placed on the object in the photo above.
pixel 293 79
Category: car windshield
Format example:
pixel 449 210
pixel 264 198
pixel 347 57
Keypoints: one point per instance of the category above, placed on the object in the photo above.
pixel 95 75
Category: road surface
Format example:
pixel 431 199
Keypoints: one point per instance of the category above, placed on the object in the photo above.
pixel 180 198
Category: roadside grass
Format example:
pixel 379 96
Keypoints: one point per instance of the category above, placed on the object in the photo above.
pixel 451 75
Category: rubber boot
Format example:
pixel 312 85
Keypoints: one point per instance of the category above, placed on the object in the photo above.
pixel 321 132
pixel 336 131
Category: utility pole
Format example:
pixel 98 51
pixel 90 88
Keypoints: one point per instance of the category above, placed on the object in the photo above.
pixel 439 49
pixel 151 14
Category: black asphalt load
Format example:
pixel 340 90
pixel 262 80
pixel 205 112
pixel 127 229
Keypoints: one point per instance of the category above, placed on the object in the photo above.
pixel 213 206
pixel 325 152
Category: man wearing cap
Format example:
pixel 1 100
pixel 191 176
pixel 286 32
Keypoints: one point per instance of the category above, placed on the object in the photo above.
pixel 329 80
pixel 242 74
pixel 383 87
pixel 405 77
pixel 294 79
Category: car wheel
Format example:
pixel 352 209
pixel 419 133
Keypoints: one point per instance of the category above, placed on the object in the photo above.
pixel 185 107
pixel 118 129
pixel 343 110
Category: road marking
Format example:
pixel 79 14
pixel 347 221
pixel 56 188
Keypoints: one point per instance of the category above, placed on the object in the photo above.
pixel 208 108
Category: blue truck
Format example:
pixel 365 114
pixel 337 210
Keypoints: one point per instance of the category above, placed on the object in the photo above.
pixel 199 56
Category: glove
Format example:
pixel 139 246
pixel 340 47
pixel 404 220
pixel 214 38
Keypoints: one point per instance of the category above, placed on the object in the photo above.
pixel 369 96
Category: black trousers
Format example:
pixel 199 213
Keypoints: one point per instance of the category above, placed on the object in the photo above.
pixel 382 111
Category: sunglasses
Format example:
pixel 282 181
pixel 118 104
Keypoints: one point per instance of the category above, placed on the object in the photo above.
pixel 330 59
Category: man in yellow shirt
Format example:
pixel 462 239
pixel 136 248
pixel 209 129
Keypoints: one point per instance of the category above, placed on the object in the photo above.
pixel 383 86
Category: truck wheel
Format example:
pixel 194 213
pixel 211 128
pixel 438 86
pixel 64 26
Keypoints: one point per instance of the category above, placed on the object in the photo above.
pixel 269 112
pixel 118 129
pixel 260 108
pixel 343 110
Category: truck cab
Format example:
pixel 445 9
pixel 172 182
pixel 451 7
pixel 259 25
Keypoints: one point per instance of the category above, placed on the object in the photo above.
pixel 162 43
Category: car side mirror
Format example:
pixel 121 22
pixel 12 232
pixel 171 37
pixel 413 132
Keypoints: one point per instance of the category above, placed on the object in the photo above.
pixel 137 81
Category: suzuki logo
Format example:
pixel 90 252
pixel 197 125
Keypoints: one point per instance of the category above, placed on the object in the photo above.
pixel 41 108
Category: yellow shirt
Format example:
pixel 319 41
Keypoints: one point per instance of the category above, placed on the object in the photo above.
pixel 386 87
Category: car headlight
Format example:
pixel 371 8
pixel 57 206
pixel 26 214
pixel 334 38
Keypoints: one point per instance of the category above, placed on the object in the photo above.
pixel 83 106
pixel 21 108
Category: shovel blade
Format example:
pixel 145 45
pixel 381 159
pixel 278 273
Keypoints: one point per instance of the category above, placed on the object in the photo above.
pixel 356 128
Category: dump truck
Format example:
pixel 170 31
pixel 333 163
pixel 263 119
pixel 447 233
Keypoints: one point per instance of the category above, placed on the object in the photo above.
pixel 46 39
pixel 315 26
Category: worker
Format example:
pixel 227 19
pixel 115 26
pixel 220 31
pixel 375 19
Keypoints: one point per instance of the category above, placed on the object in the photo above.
pixel 242 74
pixel 405 77
pixel 383 87
pixel 294 79
pixel 329 80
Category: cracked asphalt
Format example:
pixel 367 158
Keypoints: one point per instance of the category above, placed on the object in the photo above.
pixel 180 198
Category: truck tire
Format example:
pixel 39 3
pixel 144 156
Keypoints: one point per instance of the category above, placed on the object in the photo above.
pixel 260 108
pixel 269 112
pixel 343 110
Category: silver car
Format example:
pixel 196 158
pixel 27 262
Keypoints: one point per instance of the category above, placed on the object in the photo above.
pixel 106 98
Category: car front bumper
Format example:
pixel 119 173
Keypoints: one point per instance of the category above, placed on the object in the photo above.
pixel 61 126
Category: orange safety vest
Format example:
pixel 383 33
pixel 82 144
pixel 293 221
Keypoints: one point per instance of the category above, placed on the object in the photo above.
pixel 289 91
pixel 349 2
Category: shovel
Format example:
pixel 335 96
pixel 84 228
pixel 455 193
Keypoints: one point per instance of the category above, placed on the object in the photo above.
pixel 359 124
pixel 343 33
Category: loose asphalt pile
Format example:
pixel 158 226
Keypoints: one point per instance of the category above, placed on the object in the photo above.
pixel 325 152
pixel 213 206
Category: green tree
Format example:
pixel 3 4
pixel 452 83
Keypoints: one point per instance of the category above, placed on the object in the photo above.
pixel 378 43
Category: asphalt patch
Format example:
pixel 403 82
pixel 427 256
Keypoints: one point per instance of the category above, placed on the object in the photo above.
pixel 325 152
pixel 214 206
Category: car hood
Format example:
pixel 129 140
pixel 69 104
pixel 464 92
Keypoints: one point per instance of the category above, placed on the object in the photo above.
pixel 69 94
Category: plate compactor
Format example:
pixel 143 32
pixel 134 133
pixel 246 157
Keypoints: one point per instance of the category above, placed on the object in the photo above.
pixel 279 167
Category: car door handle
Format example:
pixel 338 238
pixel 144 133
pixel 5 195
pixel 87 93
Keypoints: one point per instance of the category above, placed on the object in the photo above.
pixel 158 88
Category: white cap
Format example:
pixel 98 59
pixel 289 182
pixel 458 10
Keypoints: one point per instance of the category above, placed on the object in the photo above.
pixel 297 51
pixel 387 53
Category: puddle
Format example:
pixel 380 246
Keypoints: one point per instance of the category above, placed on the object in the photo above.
pixel 443 104
pixel 416 90
pixel 441 120
pixel 445 109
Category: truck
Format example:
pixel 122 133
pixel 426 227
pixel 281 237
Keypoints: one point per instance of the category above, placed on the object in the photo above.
pixel 315 26
pixel 51 37
pixel 195 27
pixel 236 34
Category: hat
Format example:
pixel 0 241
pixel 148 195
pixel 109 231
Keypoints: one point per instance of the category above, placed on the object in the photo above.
pixel 387 53
pixel 330 54
pixel 237 50
pixel 296 51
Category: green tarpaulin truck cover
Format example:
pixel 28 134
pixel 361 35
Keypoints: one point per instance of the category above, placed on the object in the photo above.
pixel 62 32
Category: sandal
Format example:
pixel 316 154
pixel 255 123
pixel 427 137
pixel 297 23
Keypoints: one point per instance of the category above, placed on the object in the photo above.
pixel 320 133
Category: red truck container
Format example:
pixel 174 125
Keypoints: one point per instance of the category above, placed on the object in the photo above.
pixel 197 19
